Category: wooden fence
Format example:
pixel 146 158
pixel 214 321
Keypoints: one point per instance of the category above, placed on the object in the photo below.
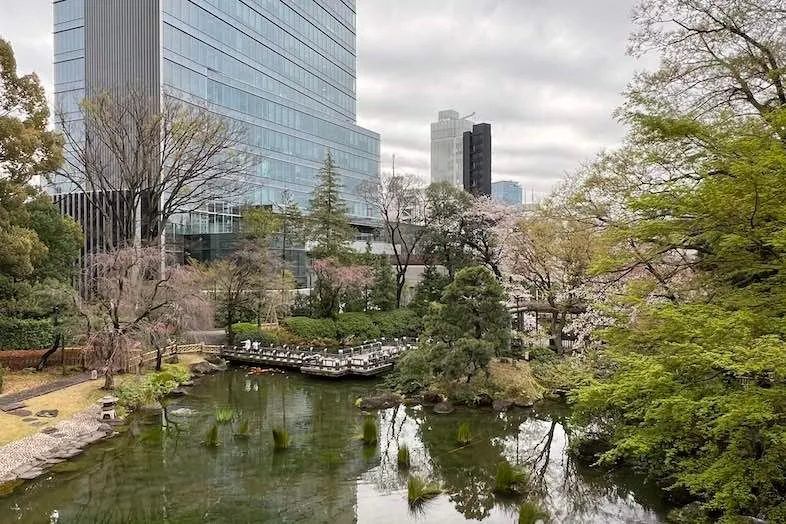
pixel 17 360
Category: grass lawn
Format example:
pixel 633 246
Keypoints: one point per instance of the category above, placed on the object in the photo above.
pixel 20 380
pixel 67 401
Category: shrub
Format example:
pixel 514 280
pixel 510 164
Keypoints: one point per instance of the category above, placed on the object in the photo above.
pixel 530 513
pixel 243 431
pixel 211 438
pixel 280 439
pixel 419 490
pixel 248 331
pixel 370 430
pixel 397 323
pixel 402 457
pixel 225 415
pixel 311 328
pixel 18 333
pixel 356 326
pixel 463 435
pixel 509 479
pixel 133 394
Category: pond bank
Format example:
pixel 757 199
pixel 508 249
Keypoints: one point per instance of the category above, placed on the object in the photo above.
pixel 31 456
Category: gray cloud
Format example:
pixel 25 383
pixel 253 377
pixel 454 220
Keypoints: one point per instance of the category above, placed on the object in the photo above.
pixel 545 74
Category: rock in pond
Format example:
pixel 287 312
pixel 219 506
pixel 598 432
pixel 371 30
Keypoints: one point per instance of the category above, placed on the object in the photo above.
pixel 444 408
pixel 182 412
pixel 177 392
pixel 379 402
pixel 502 405
pixel 433 397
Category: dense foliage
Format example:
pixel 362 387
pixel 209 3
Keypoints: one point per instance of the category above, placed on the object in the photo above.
pixel 23 333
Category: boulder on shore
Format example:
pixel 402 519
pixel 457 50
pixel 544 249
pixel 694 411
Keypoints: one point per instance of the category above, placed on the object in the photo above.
pixel 433 397
pixel 384 401
pixel 502 405
pixel 206 368
pixel 444 408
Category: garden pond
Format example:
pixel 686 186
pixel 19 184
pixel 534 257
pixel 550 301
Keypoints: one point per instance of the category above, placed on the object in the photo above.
pixel 151 473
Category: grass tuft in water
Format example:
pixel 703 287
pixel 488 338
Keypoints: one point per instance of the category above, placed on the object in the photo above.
pixel 463 435
pixel 370 431
pixel 402 458
pixel 531 513
pixel 243 430
pixel 510 480
pixel 225 415
pixel 420 490
pixel 280 439
pixel 211 438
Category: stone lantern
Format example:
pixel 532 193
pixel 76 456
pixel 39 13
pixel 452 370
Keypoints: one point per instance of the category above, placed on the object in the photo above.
pixel 108 408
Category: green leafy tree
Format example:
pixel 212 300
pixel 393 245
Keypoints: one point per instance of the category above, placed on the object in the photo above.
pixel 443 241
pixel 61 235
pixel 329 227
pixel 470 324
pixel 27 149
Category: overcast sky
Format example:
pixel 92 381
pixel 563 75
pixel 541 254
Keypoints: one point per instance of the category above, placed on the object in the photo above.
pixel 545 73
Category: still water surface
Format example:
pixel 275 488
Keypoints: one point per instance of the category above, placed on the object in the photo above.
pixel 151 474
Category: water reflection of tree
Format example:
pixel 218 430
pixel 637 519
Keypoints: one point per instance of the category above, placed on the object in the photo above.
pixel 467 472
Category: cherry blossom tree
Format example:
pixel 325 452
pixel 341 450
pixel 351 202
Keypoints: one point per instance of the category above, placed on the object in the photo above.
pixel 135 301
pixel 333 279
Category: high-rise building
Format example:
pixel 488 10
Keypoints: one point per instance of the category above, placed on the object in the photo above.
pixel 477 160
pixel 447 143
pixel 285 69
pixel 507 192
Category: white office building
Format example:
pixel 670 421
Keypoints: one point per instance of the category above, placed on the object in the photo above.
pixel 446 147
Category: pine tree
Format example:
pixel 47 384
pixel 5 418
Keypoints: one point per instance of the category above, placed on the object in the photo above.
pixel 383 294
pixel 329 227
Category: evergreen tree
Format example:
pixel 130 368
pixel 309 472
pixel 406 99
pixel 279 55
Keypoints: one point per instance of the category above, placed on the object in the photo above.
pixel 329 228
pixel 469 326
pixel 429 289
pixel 383 294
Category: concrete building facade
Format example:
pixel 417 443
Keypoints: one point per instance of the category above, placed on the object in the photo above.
pixel 476 153
pixel 447 145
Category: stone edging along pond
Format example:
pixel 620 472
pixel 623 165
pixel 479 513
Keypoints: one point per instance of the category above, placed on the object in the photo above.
pixel 30 457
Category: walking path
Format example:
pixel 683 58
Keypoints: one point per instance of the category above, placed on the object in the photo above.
pixel 28 458
pixel 12 401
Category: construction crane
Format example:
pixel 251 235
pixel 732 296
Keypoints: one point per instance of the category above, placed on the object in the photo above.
pixel 469 115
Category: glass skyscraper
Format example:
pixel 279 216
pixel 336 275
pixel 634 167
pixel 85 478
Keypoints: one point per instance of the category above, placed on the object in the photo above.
pixel 507 192
pixel 285 69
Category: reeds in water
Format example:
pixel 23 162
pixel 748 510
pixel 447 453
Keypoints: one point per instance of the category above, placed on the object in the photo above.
pixel 402 458
pixel 280 439
pixel 225 415
pixel 243 430
pixel 420 490
pixel 370 430
pixel 531 513
pixel 211 438
pixel 510 480
pixel 463 435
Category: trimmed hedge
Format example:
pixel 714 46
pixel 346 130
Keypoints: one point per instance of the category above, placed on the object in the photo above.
pixel 311 328
pixel 356 327
pixel 248 331
pixel 22 333
pixel 398 323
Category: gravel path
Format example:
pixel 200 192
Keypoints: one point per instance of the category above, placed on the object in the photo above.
pixel 29 457
pixel 11 400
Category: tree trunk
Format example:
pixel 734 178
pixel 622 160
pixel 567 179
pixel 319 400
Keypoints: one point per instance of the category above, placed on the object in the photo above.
pixel 159 357
pixel 400 282
pixel 109 378
pixel 42 362
pixel 556 332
